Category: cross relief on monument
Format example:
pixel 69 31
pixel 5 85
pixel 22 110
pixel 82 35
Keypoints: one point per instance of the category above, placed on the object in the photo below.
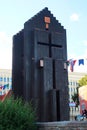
pixel 50 45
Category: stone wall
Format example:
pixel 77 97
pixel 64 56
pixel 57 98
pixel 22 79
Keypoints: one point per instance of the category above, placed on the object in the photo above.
pixel 63 125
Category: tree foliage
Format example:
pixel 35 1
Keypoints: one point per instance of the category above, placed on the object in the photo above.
pixel 83 81
pixel 16 115
pixel 75 98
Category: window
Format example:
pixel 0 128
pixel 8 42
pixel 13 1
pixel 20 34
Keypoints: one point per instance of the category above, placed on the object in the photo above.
pixel 73 83
pixel 70 83
pixel 71 89
pixel 1 79
pixel 8 79
pixel 4 79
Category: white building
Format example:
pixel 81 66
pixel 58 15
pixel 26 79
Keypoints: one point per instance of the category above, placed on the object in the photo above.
pixel 5 79
pixel 73 78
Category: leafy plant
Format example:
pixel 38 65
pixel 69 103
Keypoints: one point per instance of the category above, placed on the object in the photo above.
pixel 83 81
pixel 16 115
pixel 75 98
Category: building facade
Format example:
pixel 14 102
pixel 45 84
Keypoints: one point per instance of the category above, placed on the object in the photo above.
pixel 5 80
pixel 73 78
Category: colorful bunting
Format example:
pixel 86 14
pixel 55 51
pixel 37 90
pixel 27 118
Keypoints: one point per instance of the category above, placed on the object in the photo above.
pixel 81 61
pixel 72 62
pixel 3 89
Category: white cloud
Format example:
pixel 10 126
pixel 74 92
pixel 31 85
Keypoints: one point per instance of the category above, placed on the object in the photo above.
pixel 4 39
pixel 5 51
pixel 85 42
pixel 74 17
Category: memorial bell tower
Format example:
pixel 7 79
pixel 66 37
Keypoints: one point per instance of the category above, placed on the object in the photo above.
pixel 39 70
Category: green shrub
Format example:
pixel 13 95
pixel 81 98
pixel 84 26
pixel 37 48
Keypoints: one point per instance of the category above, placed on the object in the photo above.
pixel 16 115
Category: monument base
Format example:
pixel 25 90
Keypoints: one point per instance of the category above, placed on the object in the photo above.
pixel 62 125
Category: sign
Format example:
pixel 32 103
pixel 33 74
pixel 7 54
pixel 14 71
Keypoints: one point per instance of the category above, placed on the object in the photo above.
pixel 72 104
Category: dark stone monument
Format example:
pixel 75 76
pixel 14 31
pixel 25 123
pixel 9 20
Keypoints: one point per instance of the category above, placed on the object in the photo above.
pixel 39 66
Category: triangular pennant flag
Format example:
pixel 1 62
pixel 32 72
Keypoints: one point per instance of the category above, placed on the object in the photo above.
pixel 81 61
pixel 72 63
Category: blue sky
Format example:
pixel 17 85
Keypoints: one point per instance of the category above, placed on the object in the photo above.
pixel 72 14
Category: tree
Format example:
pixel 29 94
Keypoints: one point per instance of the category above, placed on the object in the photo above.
pixel 75 98
pixel 17 115
pixel 83 81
